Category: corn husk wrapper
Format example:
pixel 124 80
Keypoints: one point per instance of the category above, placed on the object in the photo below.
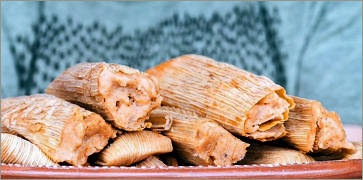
pixel 150 162
pixel 15 150
pixel 201 141
pixel 223 93
pixel 311 128
pixel 169 159
pixel 133 147
pixel 63 131
pixel 357 153
pixel 122 95
pixel 161 121
pixel 263 154
pixel 343 155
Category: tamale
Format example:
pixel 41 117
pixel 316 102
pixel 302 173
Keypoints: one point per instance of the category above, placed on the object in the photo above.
pixel 201 141
pixel 243 103
pixel 62 130
pixel 311 128
pixel 15 150
pixel 160 121
pixel 264 154
pixel 357 153
pixel 132 147
pixel 122 95
pixel 151 161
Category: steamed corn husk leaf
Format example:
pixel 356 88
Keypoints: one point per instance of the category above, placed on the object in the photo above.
pixel 160 120
pixel 357 153
pixel 264 154
pixel 132 147
pixel 15 150
pixel 150 162
pixel 169 159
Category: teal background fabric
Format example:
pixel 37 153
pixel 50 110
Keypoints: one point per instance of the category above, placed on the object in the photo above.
pixel 318 44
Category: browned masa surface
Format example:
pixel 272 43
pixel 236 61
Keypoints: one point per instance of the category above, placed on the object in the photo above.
pixel 327 169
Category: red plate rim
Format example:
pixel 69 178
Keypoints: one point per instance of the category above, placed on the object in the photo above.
pixel 322 169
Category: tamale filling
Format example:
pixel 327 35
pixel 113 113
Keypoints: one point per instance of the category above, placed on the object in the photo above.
pixel 275 132
pixel 330 136
pixel 81 138
pixel 160 122
pixel 71 140
pixel 312 128
pixel 220 153
pixel 128 98
pixel 266 114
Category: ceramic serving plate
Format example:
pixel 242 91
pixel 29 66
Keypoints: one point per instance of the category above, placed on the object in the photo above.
pixel 324 169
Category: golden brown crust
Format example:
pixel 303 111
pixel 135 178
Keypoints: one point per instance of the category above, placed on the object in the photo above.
pixel 122 95
pixel 201 141
pixel 132 147
pixel 63 131
pixel 311 128
pixel 215 90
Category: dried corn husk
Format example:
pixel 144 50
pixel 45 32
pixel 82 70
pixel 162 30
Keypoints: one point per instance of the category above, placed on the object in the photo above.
pixel 357 153
pixel 201 141
pixel 151 161
pixel 15 150
pixel 132 147
pixel 160 121
pixel 63 131
pixel 122 95
pixel 311 128
pixel 169 159
pixel 302 124
pixel 345 155
pixel 263 154
pixel 226 94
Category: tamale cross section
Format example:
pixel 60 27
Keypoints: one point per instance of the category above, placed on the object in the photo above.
pixel 122 95
pixel 312 128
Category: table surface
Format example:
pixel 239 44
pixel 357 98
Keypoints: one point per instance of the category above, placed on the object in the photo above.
pixel 354 132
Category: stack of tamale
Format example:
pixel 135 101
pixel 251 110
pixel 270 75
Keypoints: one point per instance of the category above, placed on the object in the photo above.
pixel 190 109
